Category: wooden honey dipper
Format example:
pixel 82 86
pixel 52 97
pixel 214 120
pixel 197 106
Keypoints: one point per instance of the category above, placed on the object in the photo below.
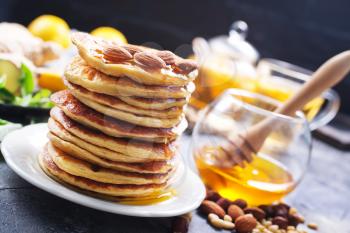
pixel 243 146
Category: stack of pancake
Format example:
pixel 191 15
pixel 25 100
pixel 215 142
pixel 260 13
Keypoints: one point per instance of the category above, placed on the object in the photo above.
pixel 113 131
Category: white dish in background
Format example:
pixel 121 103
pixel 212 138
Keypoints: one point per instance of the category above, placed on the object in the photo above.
pixel 21 147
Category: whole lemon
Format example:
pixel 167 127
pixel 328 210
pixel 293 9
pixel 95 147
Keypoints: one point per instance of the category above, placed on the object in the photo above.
pixel 51 28
pixel 109 33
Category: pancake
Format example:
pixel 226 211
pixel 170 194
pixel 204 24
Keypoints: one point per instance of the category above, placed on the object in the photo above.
pixel 80 153
pixel 132 117
pixel 90 49
pixel 115 103
pixel 128 190
pixel 139 150
pixel 113 127
pixel 152 103
pixel 81 168
pixel 80 73
pixel 58 130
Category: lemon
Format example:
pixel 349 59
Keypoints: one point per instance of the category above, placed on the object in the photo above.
pixel 109 33
pixel 51 28
pixel 50 80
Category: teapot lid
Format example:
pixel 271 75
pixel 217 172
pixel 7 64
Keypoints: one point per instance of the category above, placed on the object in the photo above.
pixel 235 45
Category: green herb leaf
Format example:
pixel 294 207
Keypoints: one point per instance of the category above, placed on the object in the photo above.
pixel 3 122
pixel 6 96
pixel 27 81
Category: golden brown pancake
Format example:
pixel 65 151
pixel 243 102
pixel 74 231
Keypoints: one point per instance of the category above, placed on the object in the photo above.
pixel 137 149
pixel 82 168
pixel 59 131
pixel 132 118
pixel 80 153
pixel 116 103
pixel 128 190
pixel 90 49
pixel 153 103
pixel 79 73
pixel 113 127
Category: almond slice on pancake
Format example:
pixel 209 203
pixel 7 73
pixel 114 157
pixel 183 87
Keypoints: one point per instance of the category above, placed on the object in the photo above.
pixel 93 51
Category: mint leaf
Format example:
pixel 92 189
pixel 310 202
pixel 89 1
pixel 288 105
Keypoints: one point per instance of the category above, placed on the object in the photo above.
pixel 26 80
pixel 6 96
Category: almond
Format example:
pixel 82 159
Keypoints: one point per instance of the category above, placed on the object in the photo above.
pixel 212 196
pixel 241 203
pixel 183 66
pixel 149 61
pixel 208 207
pixel 167 56
pixel 224 203
pixel 281 222
pixel 245 223
pixel 116 54
pixel 258 213
pixel 132 49
pixel 235 211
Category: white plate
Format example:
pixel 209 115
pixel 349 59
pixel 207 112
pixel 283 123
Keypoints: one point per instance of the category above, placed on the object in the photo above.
pixel 21 148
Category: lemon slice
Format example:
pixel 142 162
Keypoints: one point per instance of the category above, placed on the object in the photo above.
pixel 51 28
pixel 109 33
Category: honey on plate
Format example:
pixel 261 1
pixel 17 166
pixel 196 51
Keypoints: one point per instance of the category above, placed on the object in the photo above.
pixel 262 181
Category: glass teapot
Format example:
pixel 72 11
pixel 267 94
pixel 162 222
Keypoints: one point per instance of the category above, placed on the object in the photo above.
pixel 229 61
pixel 226 61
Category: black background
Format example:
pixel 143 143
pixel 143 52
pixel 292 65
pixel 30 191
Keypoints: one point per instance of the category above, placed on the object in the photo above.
pixel 303 32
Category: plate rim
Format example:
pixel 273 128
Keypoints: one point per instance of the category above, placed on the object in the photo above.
pixel 64 195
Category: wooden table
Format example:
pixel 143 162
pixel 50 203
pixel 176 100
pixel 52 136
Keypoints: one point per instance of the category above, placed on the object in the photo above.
pixel 322 197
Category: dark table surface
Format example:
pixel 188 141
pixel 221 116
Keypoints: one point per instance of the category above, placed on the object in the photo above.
pixel 322 197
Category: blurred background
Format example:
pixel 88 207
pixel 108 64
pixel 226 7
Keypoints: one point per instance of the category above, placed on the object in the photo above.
pixel 304 33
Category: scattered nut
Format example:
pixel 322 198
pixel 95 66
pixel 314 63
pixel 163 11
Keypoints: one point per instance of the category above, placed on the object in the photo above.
pixel 295 219
pixel 235 211
pixel 312 226
pixel 224 203
pixel 180 223
pixel 149 61
pixel 212 196
pixel 241 203
pixel 208 207
pixel 116 54
pixel 258 213
pixel 228 218
pixel 281 222
pixel 281 209
pixel 245 223
pixel 219 223
pixel 268 209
